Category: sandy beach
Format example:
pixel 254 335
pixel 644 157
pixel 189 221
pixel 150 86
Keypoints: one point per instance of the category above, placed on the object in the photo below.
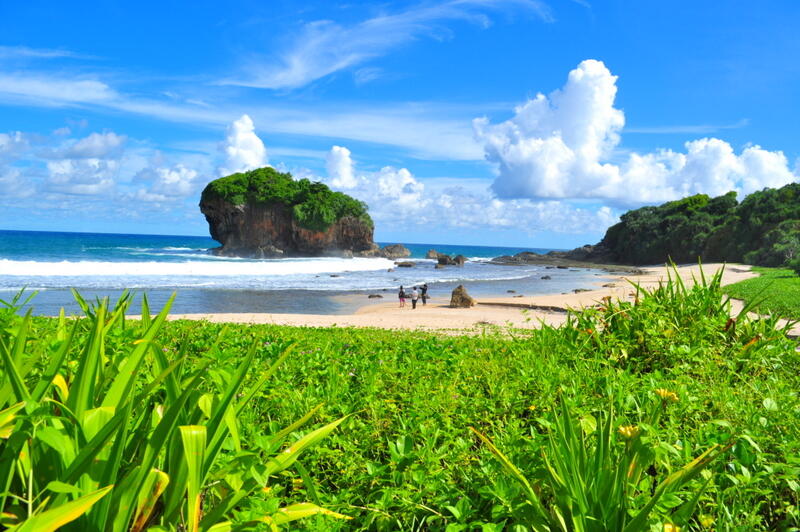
pixel 519 312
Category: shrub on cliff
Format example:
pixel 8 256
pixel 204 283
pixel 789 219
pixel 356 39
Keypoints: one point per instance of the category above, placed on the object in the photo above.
pixel 763 229
pixel 313 205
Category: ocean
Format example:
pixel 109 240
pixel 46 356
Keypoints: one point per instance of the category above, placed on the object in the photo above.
pixel 99 265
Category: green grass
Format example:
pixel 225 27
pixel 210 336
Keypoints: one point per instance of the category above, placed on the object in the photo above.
pixel 658 383
pixel 774 291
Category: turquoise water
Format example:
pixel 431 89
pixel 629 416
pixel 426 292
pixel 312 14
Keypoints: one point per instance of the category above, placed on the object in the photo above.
pixel 105 264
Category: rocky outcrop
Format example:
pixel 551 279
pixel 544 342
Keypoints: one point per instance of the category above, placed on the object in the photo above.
pixel 432 254
pixel 270 231
pixel 447 260
pixel 583 257
pixel 395 251
pixel 460 298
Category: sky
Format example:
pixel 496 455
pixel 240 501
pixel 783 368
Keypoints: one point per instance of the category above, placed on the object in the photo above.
pixel 526 123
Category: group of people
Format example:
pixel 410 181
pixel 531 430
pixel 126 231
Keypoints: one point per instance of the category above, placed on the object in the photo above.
pixel 422 293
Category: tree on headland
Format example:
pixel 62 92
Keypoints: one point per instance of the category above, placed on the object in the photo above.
pixel 764 229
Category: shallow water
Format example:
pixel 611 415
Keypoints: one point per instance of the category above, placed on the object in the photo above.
pixel 101 265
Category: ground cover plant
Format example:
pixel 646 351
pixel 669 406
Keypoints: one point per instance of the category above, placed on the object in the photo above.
pixel 688 416
pixel 774 291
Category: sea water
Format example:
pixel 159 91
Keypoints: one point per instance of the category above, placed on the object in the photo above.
pixel 99 265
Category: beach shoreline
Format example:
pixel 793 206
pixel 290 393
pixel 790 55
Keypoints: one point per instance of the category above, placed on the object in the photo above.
pixel 525 312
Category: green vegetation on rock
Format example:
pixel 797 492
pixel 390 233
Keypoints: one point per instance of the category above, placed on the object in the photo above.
pixel 313 205
pixel 659 382
pixel 763 229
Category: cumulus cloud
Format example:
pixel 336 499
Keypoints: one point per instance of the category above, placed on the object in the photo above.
pixel 96 145
pixel 12 144
pixel 167 183
pixel 340 168
pixel 243 149
pixel 14 185
pixel 397 198
pixel 86 177
pixel 561 145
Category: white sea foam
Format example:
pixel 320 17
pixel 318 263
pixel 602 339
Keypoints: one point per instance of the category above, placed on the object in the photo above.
pixel 195 268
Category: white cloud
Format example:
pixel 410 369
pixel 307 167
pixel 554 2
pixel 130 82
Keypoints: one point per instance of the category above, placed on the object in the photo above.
pixel 167 183
pixel 54 91
pixel 86 177
pixel 243 149
pixel 560 146
pixel 323 47
pixel 12 144
pixel 96 145
pixel 340 168
pixel 398 199
pixel 14 185
pixel 24 52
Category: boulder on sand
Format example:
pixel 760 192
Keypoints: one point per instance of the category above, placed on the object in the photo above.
pixel 460 298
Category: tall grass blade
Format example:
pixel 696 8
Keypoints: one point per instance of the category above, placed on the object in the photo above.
pixel 194 447
pixel 51 520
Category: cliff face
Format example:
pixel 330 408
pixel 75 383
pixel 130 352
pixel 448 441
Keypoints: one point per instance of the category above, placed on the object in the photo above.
pixel 269 230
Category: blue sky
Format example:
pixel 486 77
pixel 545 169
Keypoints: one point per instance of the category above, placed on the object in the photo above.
pixel 515 122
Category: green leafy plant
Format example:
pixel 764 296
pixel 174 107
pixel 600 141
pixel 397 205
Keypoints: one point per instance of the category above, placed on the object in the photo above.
pixel 102 430
pixel 593 476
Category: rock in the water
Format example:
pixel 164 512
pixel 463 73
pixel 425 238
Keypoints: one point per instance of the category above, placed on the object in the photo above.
pixel 374 296
pixel 395 251
pixel 432 254
pixel 447 260
pixel 519 295
pixel 511 291
pixel 460 298
pixel 560 267
pixel 579 290
pixel 438 266
pixel 247 225
pixel 546 277
pixel 404 264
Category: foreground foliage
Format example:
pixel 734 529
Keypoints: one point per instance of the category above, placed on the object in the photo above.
pixel 106 431
pixel 662 412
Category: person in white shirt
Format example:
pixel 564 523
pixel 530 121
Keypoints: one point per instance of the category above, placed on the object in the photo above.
pixel 414 297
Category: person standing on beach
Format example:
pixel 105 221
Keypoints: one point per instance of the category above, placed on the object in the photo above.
pixel 402 295
pixel 414 297
pixel 424 294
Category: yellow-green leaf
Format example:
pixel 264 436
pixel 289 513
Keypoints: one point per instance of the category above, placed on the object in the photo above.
pixel 53 519
pixel 194 448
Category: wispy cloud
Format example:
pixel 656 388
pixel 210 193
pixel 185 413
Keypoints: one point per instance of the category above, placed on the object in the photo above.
pixel 45 89
pixel 324 47
pixel 24 52
pixel 424 130
pixel 700 129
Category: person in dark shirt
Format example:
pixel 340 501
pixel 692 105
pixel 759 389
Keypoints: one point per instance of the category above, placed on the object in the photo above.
pixel 425 294
pixel 402 296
